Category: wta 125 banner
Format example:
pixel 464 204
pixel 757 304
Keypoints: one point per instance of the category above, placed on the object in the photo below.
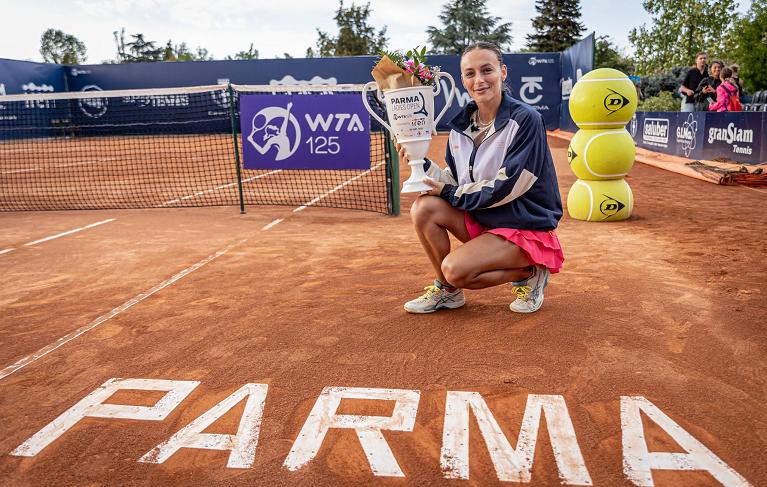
pixel 304 132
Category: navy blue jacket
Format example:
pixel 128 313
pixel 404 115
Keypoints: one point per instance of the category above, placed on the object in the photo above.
pixel 509 180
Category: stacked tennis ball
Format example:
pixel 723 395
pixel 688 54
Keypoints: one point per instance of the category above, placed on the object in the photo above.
pixel 602 152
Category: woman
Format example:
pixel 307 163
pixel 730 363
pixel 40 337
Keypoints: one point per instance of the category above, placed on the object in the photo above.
pixel 705 93
pixel 726 90
pixel 498 195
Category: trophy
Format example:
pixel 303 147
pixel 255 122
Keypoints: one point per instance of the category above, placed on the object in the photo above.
pixel 410 110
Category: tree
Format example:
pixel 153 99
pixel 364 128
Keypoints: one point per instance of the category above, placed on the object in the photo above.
pixel 251 53
pixel 138 50
pixel 181 52
pixel 465 22
pixel 751 48
pixel 60 48
pixel 678 31
pixel 606 55
pixel 556 27
pixel 355 36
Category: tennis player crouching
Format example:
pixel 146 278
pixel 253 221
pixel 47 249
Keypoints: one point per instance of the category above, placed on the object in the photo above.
pixel 498 195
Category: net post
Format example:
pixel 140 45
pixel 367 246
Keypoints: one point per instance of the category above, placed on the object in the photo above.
pixel 233 118
pixel 393 161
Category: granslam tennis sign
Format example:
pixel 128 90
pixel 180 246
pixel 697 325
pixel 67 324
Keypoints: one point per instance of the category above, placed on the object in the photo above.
pixel 511 463
pixel 304 132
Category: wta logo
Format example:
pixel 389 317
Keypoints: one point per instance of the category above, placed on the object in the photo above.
pixel 275 127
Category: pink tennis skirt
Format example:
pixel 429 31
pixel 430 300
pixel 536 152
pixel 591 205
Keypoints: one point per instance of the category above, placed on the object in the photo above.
pixel 542 248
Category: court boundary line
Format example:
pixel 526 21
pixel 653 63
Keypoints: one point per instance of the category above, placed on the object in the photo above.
pixel 23 362
pixel 211 190
pixel 69 232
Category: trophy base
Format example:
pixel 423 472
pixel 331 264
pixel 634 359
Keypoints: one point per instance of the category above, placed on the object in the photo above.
pixel 415 187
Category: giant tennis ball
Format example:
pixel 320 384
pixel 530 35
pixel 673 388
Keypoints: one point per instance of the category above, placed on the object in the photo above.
pixel 599 201
pixel 600 154
pixel 603 98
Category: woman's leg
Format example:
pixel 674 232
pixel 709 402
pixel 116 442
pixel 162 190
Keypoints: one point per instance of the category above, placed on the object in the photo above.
pixel 488 260
pixel 433 218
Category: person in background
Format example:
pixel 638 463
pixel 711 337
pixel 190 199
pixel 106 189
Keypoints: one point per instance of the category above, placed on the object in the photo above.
pixel 705 93
pixel 691 82
pixel 736 78
pixel 726 90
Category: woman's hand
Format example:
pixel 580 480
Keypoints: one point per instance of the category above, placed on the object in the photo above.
pixel 402 154
pixel 436 187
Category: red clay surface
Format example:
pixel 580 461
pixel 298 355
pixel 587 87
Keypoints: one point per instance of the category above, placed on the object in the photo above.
pixel 668 305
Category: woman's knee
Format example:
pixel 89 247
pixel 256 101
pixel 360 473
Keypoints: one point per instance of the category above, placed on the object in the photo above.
pixel 455 271
pixel 425 209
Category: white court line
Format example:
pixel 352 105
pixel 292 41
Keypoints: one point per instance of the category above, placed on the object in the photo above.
pixel 56 166
pixel 318 198
pixel 755 189
pixel 270 225
pixel 6 251
pixel 69 232
pixel 219 187
pixel 101 319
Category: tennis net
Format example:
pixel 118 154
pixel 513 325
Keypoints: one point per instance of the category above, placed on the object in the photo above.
pixel 163 148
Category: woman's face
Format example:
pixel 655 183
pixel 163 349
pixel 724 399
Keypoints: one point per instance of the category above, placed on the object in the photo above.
pixel 715 69
pixel 482 75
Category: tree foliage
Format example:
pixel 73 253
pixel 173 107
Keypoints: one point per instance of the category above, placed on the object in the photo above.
pixel 251 53
pixel 355 37
pixel 751 48
pixel 670 81
pixel 465 22
pixel 182 52
pixel 679 30
pixel 606 55
pixel 138 50
pixel 60 48
pixel 662 102
pixel 556 27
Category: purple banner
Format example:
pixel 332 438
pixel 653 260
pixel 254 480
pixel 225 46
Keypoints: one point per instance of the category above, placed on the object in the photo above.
pixel 304 132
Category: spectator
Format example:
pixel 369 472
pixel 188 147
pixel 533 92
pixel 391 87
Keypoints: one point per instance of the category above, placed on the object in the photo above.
pixel 691 82
pixel 726 90
pixel 705 94
pixel 738 82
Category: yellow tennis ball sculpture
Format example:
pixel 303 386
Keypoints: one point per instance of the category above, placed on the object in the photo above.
pixel 601 154
pixel 603 98
pixel 599 201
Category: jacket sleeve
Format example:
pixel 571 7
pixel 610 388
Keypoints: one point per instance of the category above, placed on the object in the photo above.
pixel 721 100
pixel 436 173
pixel 522 165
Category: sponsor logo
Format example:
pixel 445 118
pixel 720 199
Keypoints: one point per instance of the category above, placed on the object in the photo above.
pixel 536 60
pixel 531 84
pixel 730 134
pixel 655 131
pixel 614 101
pixel 686 135
pixel 316 80
pixel 633 126
pixel 269 128
pixel 93 107
pixel 571 154
pixel 77 72
pixel 417 103
pixel 31 87
pixel 158 100
pixel 567 84
pixel 2 89
pixel 610 206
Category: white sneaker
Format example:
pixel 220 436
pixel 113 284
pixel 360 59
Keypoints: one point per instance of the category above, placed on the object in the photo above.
pixel 530 291
pixel 436 298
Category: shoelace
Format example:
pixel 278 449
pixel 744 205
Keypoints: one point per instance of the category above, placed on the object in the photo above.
pixel 522 292
pixel 430 291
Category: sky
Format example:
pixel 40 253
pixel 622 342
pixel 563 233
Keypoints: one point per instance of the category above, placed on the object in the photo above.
pixel 275 27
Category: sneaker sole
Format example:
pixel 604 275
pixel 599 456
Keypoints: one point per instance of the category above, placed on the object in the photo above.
pixel 423 312
pixel 528 311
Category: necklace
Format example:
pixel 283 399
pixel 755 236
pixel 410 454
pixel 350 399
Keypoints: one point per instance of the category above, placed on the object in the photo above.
pixel 480 124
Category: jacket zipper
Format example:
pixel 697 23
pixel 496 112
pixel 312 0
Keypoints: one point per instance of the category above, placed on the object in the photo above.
pixel 475 149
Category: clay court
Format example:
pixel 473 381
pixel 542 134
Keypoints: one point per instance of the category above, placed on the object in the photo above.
pixel 667 306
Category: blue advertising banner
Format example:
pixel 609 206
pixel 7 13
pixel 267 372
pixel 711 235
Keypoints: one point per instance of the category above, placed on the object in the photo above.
pixel 20 77
pixel 736 136
pixel 577 60
pixel 304 132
